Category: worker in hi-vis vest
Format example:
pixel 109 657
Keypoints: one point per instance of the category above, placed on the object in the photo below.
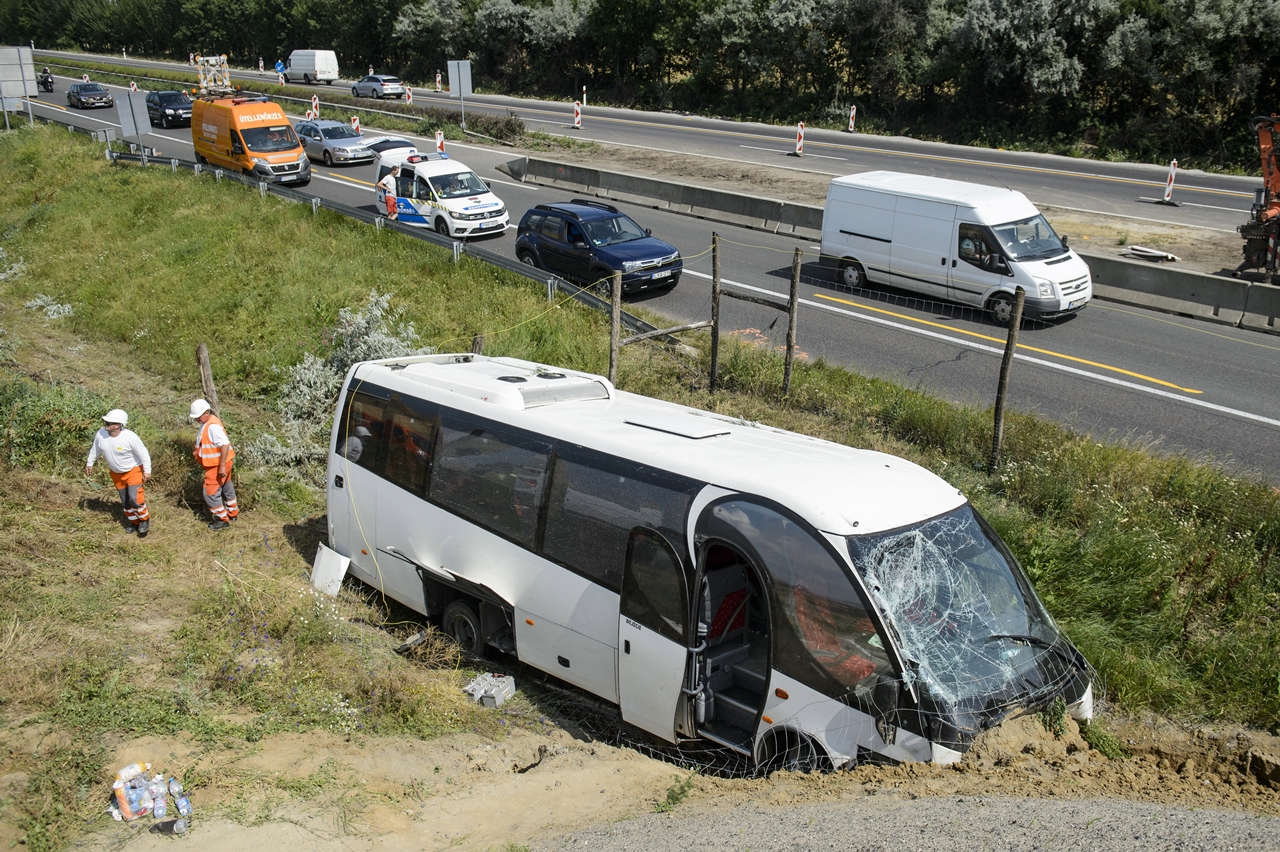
pixel 130 466
pixel 213 451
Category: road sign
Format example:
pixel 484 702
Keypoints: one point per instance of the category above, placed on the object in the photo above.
pixel 133 87
pixel 315 104
pixel 84 78
pixel 800 139
pixel 408 95
pixel 17 79
pixel 460 84
pixel 355 123
pixel 279 67
pixel 577 115
pixel 281 79
pixel 440 141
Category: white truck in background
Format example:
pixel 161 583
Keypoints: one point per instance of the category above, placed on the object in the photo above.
pixel 311 66
pixel 952 240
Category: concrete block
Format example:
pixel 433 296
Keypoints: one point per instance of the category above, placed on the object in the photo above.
pixel 1137 282
pixel 1262 308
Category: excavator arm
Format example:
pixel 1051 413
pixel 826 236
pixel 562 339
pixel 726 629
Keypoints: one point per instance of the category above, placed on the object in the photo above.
pixel 1266 129
pixel 1262 232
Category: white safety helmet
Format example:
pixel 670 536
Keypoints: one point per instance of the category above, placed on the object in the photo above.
pixel 116 415
pixel 198 408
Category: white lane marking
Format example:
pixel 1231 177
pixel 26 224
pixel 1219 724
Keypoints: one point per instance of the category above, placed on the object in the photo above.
pixel 1193 204
pixel 788 153
pixel 994 350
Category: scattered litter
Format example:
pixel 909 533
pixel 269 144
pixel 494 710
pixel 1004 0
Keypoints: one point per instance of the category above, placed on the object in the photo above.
pixel 1143 253
pixel 412 642
pixel 135 795
pixel 491 689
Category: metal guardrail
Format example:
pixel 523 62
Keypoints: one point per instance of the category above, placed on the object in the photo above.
pixel 410 113
pixel 552 283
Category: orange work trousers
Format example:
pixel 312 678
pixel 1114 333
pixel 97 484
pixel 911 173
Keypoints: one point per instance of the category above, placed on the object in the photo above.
pixel 132 497
pixel 220 494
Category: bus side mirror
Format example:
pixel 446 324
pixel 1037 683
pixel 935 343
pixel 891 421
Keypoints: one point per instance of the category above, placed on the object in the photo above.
pixel 885 696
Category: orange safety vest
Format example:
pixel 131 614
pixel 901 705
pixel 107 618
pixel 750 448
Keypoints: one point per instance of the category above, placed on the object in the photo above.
pixel 210 456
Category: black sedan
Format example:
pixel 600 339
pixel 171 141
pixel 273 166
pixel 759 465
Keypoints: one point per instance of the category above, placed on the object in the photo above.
pixel 85 95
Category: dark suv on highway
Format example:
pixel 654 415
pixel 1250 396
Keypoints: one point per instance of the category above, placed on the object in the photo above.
pixel 168 108
pixel 586 241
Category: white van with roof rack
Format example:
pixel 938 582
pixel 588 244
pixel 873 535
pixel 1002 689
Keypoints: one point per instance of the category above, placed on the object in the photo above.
pixel 963 242
pixel 435 191
pixel 801 603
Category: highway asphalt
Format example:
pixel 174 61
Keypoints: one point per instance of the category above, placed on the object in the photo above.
pixel 1116 372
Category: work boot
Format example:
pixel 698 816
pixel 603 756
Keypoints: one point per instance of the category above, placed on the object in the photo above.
pixel 130 528
pixel 143 529
pixel 219 525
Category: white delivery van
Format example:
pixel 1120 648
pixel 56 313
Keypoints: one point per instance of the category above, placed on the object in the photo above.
pixel 948 239
pixel 311 66
pixel 434 191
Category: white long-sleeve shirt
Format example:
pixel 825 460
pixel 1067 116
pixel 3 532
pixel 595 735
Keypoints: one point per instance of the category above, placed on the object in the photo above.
pixel 122 453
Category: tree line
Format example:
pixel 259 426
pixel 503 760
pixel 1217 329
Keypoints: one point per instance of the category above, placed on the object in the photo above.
pixel 1135 79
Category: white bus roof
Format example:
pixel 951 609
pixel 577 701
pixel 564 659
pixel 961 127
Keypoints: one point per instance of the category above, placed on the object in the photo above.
pixel 936 189
pixel 836 488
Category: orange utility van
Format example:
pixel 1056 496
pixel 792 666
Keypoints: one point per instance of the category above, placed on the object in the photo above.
pixel 249 135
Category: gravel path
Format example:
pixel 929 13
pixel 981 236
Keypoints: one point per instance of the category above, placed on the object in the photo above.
pixel 889 823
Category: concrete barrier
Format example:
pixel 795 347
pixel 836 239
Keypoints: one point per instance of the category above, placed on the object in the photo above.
pixel 716 205
pixel 1175 291
pixel 1132 282
pixel 1262 308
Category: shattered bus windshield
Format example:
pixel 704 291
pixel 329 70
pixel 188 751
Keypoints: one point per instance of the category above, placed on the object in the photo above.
pixel 965 614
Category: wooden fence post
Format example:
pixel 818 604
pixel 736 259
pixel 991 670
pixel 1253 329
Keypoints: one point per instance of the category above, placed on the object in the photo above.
pixel 477 344
pixel 793 310
pixel 615 323
pixel 715 311
pixel 206 377
pixel 1015 322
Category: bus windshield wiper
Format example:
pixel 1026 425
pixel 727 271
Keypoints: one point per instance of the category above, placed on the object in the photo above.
pixel 1022 637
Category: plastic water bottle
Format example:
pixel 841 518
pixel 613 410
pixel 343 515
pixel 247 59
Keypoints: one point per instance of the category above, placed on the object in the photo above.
pixel 175 826
pixel 175 786
pixel 161 807
pixel 183 804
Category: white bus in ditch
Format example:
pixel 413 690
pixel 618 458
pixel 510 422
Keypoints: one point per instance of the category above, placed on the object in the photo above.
pixel 801 602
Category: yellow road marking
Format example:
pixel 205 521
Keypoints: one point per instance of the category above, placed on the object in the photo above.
pixel 38 102
pixel 353 180
pixel 953 330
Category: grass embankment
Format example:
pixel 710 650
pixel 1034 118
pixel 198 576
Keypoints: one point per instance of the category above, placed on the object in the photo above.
pixel 1162 570
pixel 385 115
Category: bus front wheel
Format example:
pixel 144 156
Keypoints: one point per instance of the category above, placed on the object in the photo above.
pixel 461 622
pixel 791 751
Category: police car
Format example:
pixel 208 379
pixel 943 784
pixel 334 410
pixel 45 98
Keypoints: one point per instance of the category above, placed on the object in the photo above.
pixel 434 191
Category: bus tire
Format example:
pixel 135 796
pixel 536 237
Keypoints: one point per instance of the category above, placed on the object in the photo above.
pixel 462 624
pixel 791 751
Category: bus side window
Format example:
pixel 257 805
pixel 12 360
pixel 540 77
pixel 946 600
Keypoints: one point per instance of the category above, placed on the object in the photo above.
pixel 491 474
pixel 411 440
pixel 593 503
pixel 361 433
pixel 655 593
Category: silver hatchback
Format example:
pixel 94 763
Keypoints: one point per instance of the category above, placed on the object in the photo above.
pixel 378 86
pixel 333 142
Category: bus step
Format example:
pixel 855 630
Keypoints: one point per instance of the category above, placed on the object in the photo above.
pixel 749 679
pixel 738 710
pixel 727 735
